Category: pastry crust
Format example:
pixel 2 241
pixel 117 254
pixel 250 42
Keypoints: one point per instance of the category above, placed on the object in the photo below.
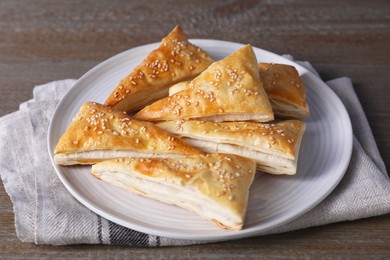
pixel 228 90
pixel 275 147
pixel 99 132
pixel 175 60
pixel 215 186
pixel 285 90
pixel 283 86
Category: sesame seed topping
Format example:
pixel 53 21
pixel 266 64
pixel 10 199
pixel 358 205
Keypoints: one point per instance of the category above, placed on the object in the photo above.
pixel 75 142
pixel 143 129
pixel 100 132
pixel 137 140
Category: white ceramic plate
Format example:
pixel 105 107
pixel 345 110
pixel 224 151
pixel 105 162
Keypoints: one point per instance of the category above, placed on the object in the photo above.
pixel 274 200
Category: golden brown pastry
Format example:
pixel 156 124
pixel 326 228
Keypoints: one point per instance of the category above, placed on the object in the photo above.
pixel 285 90
pixel 175 60
pixel 228 90
pixel 215 186
pixel 275 147
pixel 283 86
pixel 98 133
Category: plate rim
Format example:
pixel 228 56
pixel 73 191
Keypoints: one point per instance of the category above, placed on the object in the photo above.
pixel 220 236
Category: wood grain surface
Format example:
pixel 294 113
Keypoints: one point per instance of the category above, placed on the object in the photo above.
pixel 43 40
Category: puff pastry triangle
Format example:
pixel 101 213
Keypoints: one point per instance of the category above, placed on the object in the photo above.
pixel 228 90
pixel 285 90
pixel 175 60
pixel 214 186
pixel 98 133
pixel 283 86
pixel 275 147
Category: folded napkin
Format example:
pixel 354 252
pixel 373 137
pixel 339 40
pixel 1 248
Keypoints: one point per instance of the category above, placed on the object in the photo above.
pixel 46 213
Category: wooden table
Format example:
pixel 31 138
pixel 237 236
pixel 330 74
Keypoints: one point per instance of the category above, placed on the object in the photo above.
pixel 42 40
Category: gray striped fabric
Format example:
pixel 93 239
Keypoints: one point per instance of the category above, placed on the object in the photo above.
pixel 46 213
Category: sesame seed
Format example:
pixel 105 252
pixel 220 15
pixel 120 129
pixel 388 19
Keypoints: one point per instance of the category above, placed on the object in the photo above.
pixel 188 176
pixel 120 87
pixel 271 138
pixel 86 128
pixel 75 142
pixel 137 140
pixel 100 132
pixel 231 197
